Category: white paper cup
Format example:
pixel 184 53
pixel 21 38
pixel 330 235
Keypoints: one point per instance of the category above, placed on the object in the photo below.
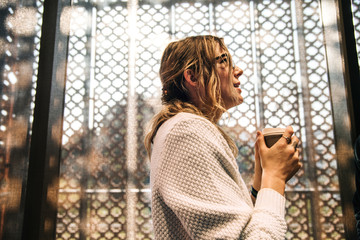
pixel 272 135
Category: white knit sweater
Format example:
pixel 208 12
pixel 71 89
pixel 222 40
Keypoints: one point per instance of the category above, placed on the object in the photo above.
pixel 197 190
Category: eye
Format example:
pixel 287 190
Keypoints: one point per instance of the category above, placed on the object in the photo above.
pixel 224 60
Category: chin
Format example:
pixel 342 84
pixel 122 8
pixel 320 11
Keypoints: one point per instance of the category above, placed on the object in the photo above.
pixel 232 99
pixel 234 104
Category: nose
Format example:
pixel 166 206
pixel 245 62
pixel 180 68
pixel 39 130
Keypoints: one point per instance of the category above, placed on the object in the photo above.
pixel 238 72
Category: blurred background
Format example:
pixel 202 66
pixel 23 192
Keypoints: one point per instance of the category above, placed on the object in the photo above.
pixel 79 84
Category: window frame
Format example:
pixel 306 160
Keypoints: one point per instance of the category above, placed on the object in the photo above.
pixel 44 161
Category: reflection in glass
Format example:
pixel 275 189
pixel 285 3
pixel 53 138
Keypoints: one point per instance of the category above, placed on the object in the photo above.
pixel 20 30
pixel 113 90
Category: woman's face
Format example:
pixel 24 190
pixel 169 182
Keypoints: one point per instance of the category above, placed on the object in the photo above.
pixel 230 87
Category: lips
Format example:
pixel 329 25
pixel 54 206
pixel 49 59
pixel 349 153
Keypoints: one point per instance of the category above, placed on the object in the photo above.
pixel 237 87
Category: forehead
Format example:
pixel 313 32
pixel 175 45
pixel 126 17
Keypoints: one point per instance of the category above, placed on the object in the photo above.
pixel 220 50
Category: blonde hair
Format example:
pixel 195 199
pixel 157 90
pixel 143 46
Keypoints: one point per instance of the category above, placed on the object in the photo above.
pixel 198 54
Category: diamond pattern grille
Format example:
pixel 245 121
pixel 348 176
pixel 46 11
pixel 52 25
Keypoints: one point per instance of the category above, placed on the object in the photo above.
pixel 104 192
pixel 321 148
pixel 356 20
pixel 94 172
pixel 233 23
pixel 191 19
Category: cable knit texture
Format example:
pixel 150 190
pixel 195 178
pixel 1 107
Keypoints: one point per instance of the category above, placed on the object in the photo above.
pixel 197 190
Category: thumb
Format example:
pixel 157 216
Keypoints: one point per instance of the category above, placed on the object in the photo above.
pixel 260 142
pixel 257 155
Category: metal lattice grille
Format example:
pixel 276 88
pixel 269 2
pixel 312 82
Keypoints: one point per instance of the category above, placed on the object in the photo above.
pixel 279 92
pixel 191 19
pixel 356 20
pixel 234 22
pixel 113 90
pixel 94 172
pixel 320 140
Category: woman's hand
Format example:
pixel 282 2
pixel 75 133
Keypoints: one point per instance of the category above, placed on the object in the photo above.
pixel 278 163
pixel 257 172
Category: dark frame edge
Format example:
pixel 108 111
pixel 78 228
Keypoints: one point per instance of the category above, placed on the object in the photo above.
pixel 352 73
pixel 44 160
pixel 352 83
pixel 335 48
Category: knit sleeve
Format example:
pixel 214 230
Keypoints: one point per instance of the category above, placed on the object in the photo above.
pixel 199 181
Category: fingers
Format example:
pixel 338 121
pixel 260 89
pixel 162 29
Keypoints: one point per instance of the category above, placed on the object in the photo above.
pixel 282 159
pixel 295 142
pixel 289 131
pixel 294 171
pixel 297 168
pixel 260 141
pixel 295 159
pixel 296 165
pixel 257 147
pixel 290 139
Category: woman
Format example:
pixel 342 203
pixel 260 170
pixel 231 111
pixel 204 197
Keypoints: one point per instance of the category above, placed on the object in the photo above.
pixel 197 190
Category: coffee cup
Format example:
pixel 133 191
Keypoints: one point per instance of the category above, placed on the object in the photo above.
pixel 272 135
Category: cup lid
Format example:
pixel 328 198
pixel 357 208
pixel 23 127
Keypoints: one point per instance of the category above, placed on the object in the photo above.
pixel 273 131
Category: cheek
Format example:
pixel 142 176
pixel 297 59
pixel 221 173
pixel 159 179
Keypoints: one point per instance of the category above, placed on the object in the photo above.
pixel 226 84
pixel 226 92
pixel 225 81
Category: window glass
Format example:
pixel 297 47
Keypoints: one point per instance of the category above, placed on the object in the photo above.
pixel 20 31
pixel 113 90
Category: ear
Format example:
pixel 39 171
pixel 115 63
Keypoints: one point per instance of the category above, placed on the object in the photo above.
pixel 189 76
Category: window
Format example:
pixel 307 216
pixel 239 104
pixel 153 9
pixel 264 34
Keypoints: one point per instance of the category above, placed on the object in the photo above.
pixel 112 90
pixel 20 33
